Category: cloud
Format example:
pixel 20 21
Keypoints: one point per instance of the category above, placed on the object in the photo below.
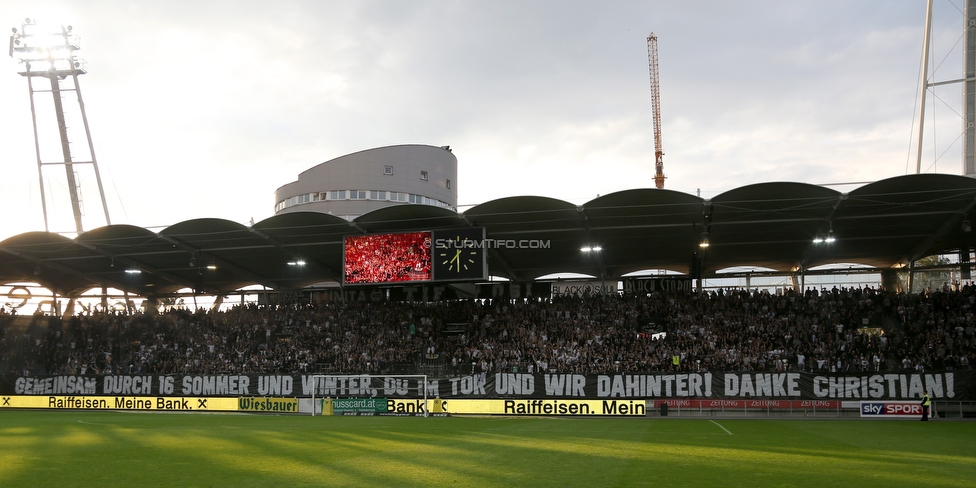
pixel 203 109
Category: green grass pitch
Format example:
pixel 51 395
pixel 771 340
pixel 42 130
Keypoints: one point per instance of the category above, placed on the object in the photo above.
pixel 42 448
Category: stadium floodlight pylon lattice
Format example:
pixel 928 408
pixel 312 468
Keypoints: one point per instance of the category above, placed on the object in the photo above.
pixel 48 52
pixel 365 385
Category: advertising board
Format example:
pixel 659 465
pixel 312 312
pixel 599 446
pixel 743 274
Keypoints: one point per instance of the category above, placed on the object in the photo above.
pixel 891 410
pixel 131 403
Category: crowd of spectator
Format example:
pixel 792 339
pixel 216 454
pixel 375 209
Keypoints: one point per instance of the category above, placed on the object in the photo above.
pixel 835 330
pixel 387 258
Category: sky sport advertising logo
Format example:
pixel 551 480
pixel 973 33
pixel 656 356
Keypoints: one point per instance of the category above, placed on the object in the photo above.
pixel 891 410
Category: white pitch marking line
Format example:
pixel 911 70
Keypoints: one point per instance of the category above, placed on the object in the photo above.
pixel 720 426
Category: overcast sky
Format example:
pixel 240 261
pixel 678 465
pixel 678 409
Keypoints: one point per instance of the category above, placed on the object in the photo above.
pixel 204 108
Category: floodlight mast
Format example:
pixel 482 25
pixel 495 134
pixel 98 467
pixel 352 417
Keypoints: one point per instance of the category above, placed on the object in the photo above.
pixel 51 54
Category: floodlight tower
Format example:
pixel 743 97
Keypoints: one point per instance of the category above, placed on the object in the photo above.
pixel 50 53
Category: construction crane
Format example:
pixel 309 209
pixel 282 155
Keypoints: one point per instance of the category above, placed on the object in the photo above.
pixel 656 109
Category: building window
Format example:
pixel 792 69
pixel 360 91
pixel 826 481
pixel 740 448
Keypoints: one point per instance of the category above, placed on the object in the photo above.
pixel 388 170
pixel 448 184
pixel 423 176
pixel 377 195
pixel 337 195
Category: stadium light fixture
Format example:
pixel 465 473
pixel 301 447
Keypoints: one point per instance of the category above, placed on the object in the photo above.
pixel 42 48
pixel 591 249
pixel 828 239
pixel 133 271
pixel 830 233
pixel 297 262
pixel 704 242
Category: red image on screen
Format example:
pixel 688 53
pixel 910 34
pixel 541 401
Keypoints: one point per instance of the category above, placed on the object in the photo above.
pixel 387 258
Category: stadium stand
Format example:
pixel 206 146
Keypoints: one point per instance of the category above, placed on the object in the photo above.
pixel 840 329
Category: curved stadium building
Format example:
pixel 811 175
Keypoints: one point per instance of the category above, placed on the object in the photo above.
pixel 358 183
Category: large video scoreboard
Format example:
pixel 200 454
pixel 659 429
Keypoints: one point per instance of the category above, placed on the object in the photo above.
pixel 440 255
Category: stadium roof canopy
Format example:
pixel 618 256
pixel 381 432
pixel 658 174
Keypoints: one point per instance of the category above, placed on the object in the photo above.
pixel 886 224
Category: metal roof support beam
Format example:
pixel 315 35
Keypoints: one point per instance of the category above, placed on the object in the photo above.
pixel 464 218
pixel 505 264
pixel 219 262
pixel 61 269
pixel 281 247
pixel 585 224
pixel 132 263
pixel 801 264
pixel 355 225
pixel 905 214
pixel 920 251
pixel 581 213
